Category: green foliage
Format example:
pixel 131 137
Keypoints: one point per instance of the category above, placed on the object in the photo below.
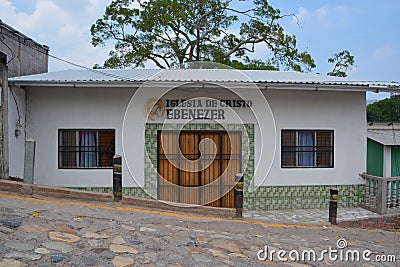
pixel 174 32
pixel 342 62
pixel 252 64
pixel 385 110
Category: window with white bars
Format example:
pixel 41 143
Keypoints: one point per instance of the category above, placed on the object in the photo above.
pixel 86 148
pixel 307 149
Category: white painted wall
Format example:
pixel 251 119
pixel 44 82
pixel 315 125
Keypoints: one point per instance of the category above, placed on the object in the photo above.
pixel 16 144
pixel 343 112
pixel 50 109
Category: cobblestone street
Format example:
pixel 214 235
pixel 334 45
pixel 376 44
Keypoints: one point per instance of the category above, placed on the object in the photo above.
pixel 59 232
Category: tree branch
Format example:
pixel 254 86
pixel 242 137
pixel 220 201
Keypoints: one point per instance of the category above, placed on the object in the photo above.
pixel 246 41
pixel 243 12
pixel 157 63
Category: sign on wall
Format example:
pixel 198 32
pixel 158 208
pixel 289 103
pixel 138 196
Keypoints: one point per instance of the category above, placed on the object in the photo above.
pixel 192 109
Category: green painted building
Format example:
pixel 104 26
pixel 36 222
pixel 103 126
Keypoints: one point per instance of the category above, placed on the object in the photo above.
pixel 383 149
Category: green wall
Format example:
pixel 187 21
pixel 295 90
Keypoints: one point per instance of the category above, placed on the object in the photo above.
pixel 395 161
pixel 374 158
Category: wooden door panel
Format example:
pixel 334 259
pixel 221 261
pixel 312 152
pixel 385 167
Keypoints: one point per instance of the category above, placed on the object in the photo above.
pixel 230 165
pixel 198 167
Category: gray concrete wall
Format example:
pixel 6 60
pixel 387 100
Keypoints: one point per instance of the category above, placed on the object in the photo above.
pixel 16 121
pixel 27 56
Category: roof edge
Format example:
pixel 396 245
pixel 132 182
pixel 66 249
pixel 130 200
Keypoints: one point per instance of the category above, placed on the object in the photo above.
pixel 309 86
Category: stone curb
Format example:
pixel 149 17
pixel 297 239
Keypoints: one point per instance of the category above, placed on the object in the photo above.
pixel 193 209
pixel 48 191
pixel 388 222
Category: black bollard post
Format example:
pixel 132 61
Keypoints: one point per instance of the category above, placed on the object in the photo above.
pixel 238 195
pixel 117 177
pixel 333 199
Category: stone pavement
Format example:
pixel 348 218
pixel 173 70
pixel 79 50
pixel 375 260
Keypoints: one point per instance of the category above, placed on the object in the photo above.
pixel 58 232
pixel 309 216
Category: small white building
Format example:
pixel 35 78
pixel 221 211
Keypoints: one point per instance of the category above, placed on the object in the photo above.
pixel 184 134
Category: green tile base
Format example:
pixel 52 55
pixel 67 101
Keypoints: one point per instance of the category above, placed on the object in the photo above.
pixel 302 197
pixel 278 197
pixel 127 191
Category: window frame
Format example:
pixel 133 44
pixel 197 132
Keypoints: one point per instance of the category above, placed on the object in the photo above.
pixel 77 158
pixel 315 150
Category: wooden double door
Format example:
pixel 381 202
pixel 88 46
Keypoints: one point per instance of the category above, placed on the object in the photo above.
pixel 198 167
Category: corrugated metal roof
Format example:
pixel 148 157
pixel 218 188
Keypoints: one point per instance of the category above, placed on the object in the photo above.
pixel 385 137
pixel 189 75
pixel 88 75
pixel 386 133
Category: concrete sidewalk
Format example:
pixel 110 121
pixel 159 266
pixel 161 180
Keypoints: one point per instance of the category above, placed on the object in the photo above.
pixel 308 216
pixel 349 217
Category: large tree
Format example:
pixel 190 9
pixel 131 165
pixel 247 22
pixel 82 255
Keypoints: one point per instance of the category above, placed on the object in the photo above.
pixel 173 32
pixel 385 110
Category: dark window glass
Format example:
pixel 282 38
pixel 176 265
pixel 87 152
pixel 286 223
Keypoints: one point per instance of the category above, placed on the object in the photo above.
pixel 86 148
pixel 307 148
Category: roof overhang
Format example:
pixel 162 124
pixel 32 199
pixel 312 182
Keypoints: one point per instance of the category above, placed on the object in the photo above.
pixel 75 84
pixel 200 78
pixel 205 84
